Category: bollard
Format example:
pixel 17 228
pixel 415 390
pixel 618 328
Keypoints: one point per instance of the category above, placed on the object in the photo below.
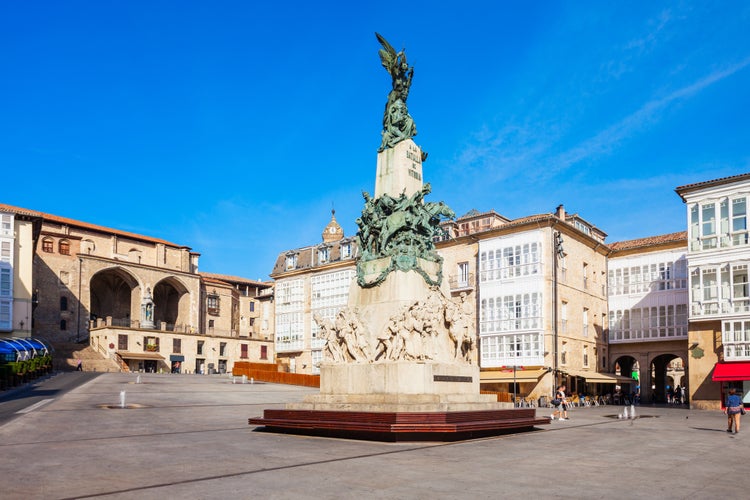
pixel 244 379
pixel 252 380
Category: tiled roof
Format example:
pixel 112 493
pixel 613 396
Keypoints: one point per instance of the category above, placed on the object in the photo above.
pixel 19 210
pixel 86 225
pixel 233 279
pixel 680 237
pixel 213 281
pixel 474 213
pixel 715 182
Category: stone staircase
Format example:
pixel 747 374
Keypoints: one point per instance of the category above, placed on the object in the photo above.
pixel 67 354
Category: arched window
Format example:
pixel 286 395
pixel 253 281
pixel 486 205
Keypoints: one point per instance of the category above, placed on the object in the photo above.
pixel 48 245
pixel 64 247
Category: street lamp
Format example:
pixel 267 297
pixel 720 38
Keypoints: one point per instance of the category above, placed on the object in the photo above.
pixel 558 253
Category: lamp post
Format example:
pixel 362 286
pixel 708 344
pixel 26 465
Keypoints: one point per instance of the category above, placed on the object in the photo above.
pixel 558 253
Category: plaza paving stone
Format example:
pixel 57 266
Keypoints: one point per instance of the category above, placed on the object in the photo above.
pixel 187 436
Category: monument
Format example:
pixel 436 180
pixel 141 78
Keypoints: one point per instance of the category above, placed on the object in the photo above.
pixel 399 361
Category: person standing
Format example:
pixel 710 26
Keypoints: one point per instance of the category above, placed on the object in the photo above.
pixel 561 408
pixel 733 409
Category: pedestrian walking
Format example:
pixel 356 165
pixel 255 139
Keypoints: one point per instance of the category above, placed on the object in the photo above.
pixel 733 409
pixel 79 366
pixel 560 404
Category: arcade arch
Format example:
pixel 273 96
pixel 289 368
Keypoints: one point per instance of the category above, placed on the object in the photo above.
pixel 114 293
pixel 628 366
pixel 667 371
pixel 171 304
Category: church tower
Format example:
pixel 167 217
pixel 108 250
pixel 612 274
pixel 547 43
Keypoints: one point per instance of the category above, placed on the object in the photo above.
pixel 333 231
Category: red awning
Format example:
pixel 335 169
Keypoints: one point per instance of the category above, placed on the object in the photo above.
pixel 726 372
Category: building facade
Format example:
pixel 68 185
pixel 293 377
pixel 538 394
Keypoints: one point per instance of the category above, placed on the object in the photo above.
pixel 139 301
pixel 541 302
pixel 719 314
pixel 310 282
pixel 19 231
pixel 648 313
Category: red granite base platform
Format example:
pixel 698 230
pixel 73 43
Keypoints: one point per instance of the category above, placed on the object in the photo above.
pixel 400 426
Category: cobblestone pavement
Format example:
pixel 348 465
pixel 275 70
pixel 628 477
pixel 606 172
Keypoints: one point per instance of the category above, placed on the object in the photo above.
pixel 183 436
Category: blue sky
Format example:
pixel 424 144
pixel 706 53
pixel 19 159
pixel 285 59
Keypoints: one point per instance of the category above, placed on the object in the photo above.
pixel 233 127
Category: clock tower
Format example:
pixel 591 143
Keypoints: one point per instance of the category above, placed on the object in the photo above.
pixel 333 231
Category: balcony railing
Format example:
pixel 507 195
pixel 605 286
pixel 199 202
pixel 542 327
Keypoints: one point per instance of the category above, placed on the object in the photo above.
pixel 289 346
pixel 723 307
pixel 677 332
pixel 461 281
pixel 737 351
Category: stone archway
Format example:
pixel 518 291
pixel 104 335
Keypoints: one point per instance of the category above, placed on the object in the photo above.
pixel 627 366
pixel 114 293
pixel 667 370
pixel 171 304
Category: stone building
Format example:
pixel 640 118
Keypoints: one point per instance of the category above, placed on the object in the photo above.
pixel 310 281
pixel 648 312
pixel 718 255
pixel 19 231
pixel 540 299
pixel 139 300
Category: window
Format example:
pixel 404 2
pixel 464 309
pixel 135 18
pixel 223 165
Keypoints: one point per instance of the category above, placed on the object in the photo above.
pixel 63 303
pixel 585 322
pixel 252 306
pixel 122 342
pixel 291 261
pixel 243 351
pixel 5 314
pixel 222 349
pixel 585 356
pixel 463 274
pixel 212 304
pixel 564 354
pixel 199 351
pixel 346 250
pixel 510 312
pixel 5 251
pixel 509 262
pixel 151 344
pixel 324 254
pixel 210 323
pixel 585 275
pixel 564 317
pixel 63 325
pixel 6 281
pixel 739 222
pixel 64 247
pixel 47 245
pixel 177 346
pixel 6 224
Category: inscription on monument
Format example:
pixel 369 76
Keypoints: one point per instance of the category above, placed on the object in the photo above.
pixel 451 378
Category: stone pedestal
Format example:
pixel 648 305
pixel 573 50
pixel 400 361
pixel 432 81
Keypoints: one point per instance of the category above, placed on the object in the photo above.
pixel 399 387
pixel 400 289
pixel 399 170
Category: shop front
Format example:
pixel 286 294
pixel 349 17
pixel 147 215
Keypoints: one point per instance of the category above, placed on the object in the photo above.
pixel 176 360
pixel 147 362
pixel 734 375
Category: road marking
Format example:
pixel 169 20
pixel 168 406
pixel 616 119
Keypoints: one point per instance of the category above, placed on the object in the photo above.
pixel 36 405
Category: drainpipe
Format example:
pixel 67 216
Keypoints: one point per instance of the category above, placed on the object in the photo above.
pixel 78 313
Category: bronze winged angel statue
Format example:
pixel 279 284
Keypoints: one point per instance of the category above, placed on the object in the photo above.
pixel 398 125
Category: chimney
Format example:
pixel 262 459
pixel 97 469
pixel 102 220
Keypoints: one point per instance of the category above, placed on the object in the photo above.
pixel 560 212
